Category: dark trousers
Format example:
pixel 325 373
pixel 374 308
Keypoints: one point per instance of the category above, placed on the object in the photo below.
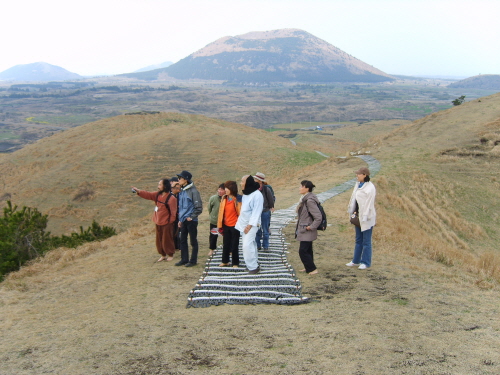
pixel 191 228
pixel 306 255
pixel 230 245
pixel 213 238
pixel 176 234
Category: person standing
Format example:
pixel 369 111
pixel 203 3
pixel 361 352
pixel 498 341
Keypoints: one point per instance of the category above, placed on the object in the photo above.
pixel 164 217
pixel 306 231
pixel 229 211
pixel 249 221
pixel 362 203
pixel 262 237
pixel 190 207
pixel 176 189
pixel 213 213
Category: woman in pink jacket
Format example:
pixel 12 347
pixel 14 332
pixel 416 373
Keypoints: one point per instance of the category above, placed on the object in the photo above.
pixel 164 217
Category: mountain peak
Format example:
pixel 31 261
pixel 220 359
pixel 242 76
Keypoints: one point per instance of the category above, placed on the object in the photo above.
pixel 275 55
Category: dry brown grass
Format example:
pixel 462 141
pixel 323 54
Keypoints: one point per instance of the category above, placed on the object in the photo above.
pixel 429 304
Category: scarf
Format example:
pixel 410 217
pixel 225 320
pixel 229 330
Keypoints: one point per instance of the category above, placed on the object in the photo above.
pixel 250 186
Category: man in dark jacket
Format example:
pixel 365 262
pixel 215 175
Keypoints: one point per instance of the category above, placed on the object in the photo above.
pixel 190 207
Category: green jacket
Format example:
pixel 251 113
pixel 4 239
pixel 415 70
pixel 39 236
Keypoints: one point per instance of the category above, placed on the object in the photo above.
pixel 213 208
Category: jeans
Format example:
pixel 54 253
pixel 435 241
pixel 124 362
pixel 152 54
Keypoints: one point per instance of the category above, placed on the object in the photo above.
pixel 363 247
pixel 191 228
pixel 263 232
pixel 250 253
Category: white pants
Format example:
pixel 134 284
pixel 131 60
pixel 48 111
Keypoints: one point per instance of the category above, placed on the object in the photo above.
pixel 250 252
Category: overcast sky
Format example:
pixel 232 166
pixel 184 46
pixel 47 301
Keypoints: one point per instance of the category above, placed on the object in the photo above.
pixel 458 38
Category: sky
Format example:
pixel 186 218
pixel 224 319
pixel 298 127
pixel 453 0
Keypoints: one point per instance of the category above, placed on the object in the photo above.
pixel 457 38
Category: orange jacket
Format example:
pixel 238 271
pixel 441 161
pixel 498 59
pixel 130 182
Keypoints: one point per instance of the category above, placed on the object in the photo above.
pixel 223 201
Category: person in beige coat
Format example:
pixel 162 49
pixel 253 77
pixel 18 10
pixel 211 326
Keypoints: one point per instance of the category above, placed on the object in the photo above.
pixel 309 218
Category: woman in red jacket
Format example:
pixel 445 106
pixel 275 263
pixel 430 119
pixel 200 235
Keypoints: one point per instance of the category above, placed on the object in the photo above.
pixel 164 218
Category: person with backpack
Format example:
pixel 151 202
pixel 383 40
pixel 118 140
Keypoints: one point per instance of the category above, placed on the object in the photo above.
pixel 306 231
pixel 164 216
pixel 262 236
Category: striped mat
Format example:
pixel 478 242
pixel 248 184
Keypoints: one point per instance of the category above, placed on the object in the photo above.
pixel 277 281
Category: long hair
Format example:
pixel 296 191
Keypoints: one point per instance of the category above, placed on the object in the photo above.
pixel 232 186
pixel 167 188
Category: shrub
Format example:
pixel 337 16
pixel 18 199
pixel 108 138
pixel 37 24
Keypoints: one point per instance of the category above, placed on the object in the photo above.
pixel 23 237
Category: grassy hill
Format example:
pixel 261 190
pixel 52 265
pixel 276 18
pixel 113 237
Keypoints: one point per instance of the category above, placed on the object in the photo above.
pixel 428 305
pixel 484 82
pixel 85 173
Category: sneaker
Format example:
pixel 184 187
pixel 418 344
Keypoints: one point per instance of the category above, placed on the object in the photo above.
pixel 189 264
pixel 362 267
pixel 266 249
pixel 181 263
pixel 351 264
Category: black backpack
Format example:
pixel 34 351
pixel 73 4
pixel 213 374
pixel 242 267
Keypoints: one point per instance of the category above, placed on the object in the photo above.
pixel 324 222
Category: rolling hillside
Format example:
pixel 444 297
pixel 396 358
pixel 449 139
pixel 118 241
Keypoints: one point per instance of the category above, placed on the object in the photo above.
pixel 428 305
pixel 86 172
pixel 483 82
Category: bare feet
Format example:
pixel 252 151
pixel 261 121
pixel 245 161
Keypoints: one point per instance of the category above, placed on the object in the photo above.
pixel 313 272
pixel 224 265
pixel 210 253
pixel 235 266
pixel 304 270
pixel 161 259
pixel 170 259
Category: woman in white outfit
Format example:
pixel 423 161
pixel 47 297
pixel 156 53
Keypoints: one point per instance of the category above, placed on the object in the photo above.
pixel 362 203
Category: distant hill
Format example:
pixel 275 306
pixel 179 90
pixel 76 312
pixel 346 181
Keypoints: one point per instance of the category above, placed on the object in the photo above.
pixel 153 67
pixel 485 82
pixel 272 56
pixel 39 71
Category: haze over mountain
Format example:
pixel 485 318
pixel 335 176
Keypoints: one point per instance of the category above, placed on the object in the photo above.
pixel 39 71
pixel 155 66
pixel 272 56
pixel 484 82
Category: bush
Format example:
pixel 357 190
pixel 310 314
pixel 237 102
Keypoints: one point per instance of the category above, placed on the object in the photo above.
pixel 23 237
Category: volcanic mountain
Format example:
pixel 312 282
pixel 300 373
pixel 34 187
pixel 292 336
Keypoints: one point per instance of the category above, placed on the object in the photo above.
pixel 274 56
pixel 39 71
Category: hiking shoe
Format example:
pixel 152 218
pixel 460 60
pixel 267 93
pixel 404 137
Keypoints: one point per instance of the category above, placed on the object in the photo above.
pixel 362 267
pixel 189 264
pixel 181 263
pixel 351 264
pixel 255 271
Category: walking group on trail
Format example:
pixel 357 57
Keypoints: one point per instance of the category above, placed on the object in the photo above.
pixel 247 217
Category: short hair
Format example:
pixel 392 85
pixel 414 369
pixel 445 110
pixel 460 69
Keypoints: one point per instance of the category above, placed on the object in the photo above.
pixel 222 186
pixel 308 184
pixel 232 186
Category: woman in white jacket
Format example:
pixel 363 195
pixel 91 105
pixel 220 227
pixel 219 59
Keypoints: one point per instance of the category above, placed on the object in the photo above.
pixel 363 203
